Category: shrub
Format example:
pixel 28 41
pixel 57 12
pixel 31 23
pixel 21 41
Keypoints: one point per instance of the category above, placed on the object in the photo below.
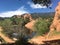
pixel 41 26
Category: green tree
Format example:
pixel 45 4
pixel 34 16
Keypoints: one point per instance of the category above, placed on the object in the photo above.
pixel 41 26
pixel 19 25
pixel 16 21
pixel 42 2
pixel 7 26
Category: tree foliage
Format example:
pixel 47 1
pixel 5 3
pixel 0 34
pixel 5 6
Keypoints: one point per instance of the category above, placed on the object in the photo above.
pixel 7 26
pixel 41 26
pixel 15 25
pixel 42 2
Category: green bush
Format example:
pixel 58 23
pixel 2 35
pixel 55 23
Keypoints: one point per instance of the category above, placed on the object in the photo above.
pixel 15 25
pixel 41 26
pixel 7 26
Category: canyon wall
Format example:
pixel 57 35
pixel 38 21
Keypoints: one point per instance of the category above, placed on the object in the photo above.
pixel 56 21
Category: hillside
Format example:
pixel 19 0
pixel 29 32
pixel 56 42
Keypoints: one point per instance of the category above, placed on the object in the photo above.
pixel 21 26
pixel 43 15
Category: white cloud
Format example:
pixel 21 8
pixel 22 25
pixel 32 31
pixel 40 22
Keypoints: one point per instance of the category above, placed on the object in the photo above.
pixel 19 11
pixel 35 6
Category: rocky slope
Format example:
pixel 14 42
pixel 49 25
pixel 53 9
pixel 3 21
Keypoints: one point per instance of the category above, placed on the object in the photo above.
pixel 54 26
pixel 6 38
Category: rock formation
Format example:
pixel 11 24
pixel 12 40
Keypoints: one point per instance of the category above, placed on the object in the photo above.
pixel 30 25
pixel 28 16
pixel 56 21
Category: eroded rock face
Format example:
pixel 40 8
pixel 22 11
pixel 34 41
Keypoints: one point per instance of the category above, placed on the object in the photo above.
pixel 30 25
pixel 56 21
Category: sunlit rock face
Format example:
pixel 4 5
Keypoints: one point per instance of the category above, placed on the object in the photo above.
pixel 56 21
pixel 30 25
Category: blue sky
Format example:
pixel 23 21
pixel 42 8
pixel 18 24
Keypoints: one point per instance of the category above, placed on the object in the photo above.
pixel 9 8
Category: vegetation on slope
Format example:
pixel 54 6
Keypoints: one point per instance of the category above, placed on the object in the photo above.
pixel 17 25
pixel 42 26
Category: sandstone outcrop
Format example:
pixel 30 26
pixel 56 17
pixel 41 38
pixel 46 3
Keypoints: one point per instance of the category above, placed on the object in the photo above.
pixel 30 25
pixel 56 21
pixel 28 16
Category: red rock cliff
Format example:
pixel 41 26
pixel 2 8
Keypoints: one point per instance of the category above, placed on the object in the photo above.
pixel 56 21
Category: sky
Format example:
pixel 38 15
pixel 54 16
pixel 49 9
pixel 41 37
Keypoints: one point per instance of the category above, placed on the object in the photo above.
pixel 9 8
